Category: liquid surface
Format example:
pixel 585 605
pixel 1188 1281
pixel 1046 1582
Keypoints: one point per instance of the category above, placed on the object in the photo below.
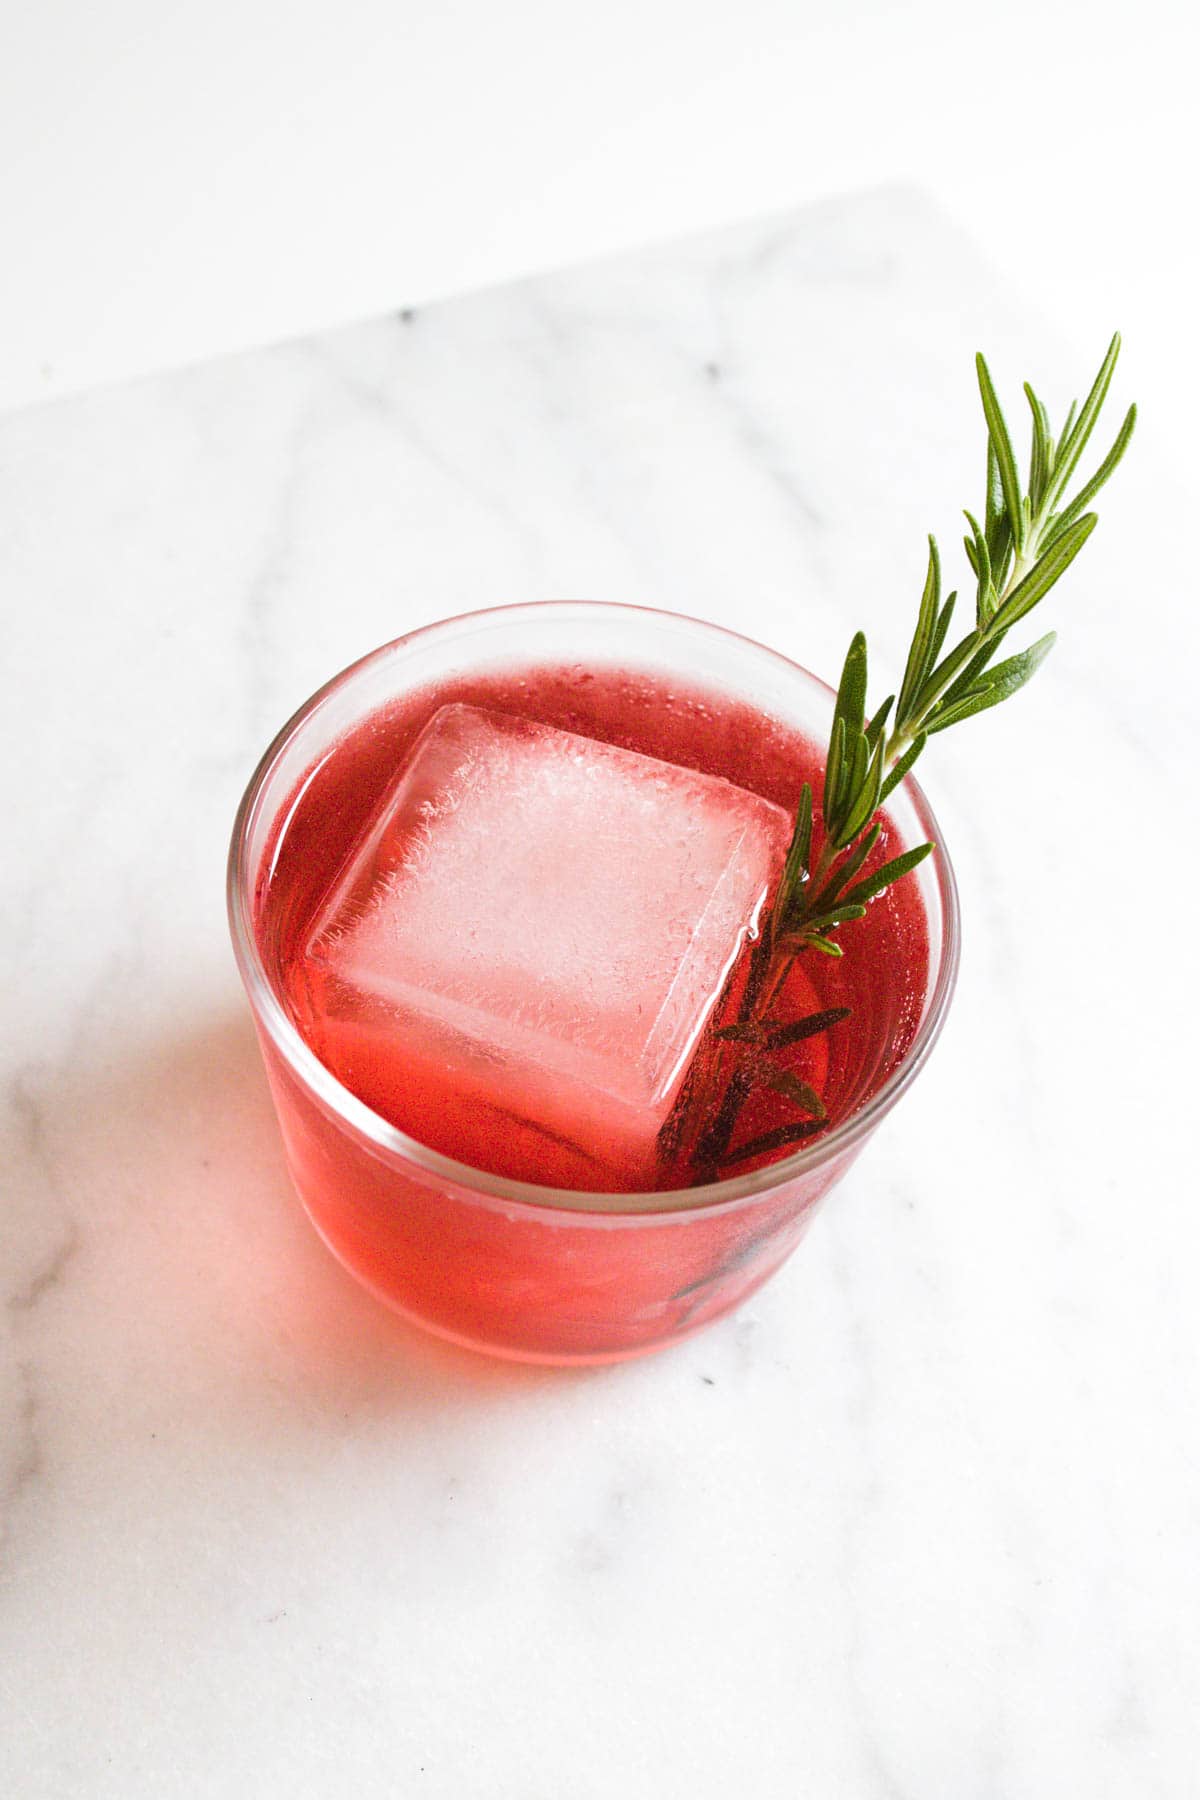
pixel 882 976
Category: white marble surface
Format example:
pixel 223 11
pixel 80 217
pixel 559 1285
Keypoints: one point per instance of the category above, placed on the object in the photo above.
pixel 921 1520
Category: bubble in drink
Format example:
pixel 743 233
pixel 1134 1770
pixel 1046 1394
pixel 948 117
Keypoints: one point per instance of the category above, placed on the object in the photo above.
pixel 522 948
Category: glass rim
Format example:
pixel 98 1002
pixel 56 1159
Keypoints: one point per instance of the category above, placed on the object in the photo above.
pixel 389 1142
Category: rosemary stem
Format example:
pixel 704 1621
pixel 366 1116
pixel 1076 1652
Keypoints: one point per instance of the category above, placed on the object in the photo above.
pixel 777 973
pixel 1023 563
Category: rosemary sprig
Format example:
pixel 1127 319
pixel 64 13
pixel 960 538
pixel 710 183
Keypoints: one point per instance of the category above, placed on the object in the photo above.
pixel 1029 535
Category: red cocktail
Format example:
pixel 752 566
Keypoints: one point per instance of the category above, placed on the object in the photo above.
pixel 478 1118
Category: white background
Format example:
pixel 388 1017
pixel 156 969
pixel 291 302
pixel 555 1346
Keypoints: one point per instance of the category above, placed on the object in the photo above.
pixel 179 179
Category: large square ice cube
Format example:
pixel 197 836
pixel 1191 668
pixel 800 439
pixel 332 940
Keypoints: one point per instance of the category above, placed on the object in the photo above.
pixel 518 957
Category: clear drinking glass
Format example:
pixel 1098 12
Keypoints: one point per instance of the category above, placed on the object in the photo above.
pixel 537 1273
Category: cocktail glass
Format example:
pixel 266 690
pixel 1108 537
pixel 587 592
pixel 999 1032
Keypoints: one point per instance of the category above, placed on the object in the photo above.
pixel 528 1272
